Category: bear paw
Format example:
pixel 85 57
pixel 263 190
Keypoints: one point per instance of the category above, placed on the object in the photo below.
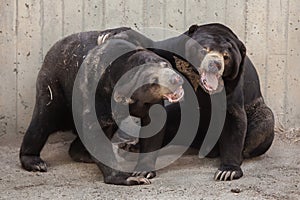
pixel 33 163
pixel 123 179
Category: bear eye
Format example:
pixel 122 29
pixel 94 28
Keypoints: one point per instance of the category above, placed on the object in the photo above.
pixel 205 50
pixel 225 56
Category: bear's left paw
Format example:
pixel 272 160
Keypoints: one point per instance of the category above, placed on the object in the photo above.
pixel 228 173
pixel 126 179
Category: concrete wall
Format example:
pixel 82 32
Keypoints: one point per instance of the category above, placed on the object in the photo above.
pixel 269 28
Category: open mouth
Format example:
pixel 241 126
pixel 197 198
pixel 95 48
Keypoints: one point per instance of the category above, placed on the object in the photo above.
pixel 211 82
pixel 175 96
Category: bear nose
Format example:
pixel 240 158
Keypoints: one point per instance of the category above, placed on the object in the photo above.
pixel 176 79
pixel 214 66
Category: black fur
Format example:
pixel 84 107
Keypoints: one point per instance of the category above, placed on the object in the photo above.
pixel 249 125
pixel 53 108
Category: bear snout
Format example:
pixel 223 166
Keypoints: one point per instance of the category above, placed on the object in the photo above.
pixel 176 80
pixel 214 66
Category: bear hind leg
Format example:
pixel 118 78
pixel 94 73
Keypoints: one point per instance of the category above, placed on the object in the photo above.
pixel 48 117
pixel 79 153
pixel 260 132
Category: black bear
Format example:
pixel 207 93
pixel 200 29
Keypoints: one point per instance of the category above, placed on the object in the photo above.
pixel 217 60
pixel 56 108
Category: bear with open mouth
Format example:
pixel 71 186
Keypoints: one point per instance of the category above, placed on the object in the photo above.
pixel 55 107
pixel 217 61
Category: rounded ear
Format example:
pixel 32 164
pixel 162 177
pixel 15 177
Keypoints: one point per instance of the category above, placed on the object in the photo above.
pixel 193 28
pixel 238 68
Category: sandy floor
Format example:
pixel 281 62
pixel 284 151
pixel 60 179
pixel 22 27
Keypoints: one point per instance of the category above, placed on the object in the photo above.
pixel 275 175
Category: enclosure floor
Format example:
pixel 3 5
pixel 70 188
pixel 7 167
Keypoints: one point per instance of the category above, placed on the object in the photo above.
pixel 275 175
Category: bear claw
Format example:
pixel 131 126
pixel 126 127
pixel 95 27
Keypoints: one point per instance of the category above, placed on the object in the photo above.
pixel 226 175
pixel 139 180
pixel 144 174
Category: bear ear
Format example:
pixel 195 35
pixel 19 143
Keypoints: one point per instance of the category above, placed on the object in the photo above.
pixel 193 28
pixel 242 49
pixel 238 64
pixel 120 98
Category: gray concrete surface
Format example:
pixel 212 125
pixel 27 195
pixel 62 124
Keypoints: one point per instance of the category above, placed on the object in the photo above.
pixel 275 175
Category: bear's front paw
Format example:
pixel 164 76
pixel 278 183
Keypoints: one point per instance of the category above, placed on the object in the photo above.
pixel 137 180
pixel 228 173
pixel 146 174
pixel 33 163
pixel 124 179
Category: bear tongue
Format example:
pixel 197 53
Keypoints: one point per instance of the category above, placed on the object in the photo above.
pixel 210 81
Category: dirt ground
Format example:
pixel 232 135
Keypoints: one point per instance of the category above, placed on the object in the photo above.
pixel 275 175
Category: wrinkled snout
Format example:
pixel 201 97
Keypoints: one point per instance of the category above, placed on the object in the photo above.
pixel 213 63
pixel 214 66
pixel 175 79
pixel 167 77
pixel 170 85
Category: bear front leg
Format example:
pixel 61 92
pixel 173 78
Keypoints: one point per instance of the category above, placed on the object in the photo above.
pixel 111 172
pixel 148 152
pixel 231 144
pixel 108 163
